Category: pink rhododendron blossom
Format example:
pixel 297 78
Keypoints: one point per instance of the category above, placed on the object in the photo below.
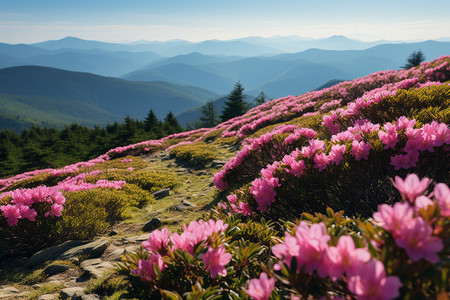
pixel 219 181
pixel 264 192
pixel 415 237
pixel 345 257
pixel 146 269
pixel 260 289
pixel 422 202
pixel 308 247
pixel 157 241
pixel 411 187
pixel 442 195
pixel 232 198
pixel 321 161
pixel 336 154
pixel 245 209
pixel 369 282
pixel 360 150
pixel 393 218
pixel 215 261
pixel 183 242
pixel 11 213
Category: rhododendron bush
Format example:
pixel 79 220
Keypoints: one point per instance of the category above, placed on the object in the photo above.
pixel 402 251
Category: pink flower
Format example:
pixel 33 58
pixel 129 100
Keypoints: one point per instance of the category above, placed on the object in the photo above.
pixel 393 218
pixel 11 213
pixel 263 191
pixel 157 241
pixel 245 209
pixel 360 150
pixel 422 202
pixel 260 289
pixel 321 161
pixel 232 198
pixel 344 257
pixel 411 187
pixel 369 282
pixel 183 242
pixel 146 269
pixel 442 194
pixel 336 154
pixel 415 237
pixel 215 261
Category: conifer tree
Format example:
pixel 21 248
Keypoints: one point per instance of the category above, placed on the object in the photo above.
pixel 414 59
pixel 261 98
pixel 235 106
pixel 151 121
pixel 171 124
pixel 209 115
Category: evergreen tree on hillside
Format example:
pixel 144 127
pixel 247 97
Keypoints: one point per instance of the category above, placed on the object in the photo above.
pixel 261 98
pixel 151 121
pixel 209 116
pixel 235 106
pixel 414 59
pixel 171 124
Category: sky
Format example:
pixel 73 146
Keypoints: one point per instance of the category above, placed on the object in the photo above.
pixel 30 21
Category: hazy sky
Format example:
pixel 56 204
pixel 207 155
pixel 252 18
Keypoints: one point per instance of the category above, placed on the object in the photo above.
pixel 27 21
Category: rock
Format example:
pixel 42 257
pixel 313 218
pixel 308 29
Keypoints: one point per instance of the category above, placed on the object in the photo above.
pixel 161 194
pixel 55 269
pixel 137 238
pixel 113 233
pixel 187 203
pixel 48 297
pixel 95 267
pixel 51 253
pixel 152 225
pixel 72 293
pixel 8 292
pixel 218 163
pixel 68 250
pixel 115 254
pixel 93 249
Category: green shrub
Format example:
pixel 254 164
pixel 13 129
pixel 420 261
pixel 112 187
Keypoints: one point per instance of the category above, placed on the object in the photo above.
pixel 195 154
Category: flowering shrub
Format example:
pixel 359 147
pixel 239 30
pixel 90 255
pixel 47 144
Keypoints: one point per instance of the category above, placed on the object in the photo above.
pixel 401 252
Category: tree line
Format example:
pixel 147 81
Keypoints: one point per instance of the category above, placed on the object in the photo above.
pixel 40 148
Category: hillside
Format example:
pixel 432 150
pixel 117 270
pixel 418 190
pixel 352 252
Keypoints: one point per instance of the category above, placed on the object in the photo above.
pixel 336 193
pixel 61 97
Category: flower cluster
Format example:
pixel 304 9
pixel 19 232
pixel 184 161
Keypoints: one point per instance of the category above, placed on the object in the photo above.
pixel 24 202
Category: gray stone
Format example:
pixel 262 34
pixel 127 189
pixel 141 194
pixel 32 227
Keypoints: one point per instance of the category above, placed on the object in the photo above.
pixel 55 269
pixel 137 238
pixel 48 297
pixel 51 253
pixel 115 254
pixel 93 249
pixel 90 297
pixel 218 163
pixel 187 203
pixel 95 267
pixel 152 225
pixel 8 292
pixel 161 194
pixel 72 293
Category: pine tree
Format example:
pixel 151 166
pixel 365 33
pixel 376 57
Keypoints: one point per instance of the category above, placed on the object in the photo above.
pixel 151 121
pixel 235 106
pixel 414 59
pixel 261 98
pixel 209 115
pixel 171 124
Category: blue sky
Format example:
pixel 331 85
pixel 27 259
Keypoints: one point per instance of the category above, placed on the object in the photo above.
pixel 28 21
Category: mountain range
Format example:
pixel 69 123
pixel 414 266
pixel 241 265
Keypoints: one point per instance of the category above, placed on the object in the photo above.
pixel 177 75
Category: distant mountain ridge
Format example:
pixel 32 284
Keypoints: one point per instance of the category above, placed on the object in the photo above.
pixel 89 98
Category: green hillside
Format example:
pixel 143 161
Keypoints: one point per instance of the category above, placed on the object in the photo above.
pixel 62 97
